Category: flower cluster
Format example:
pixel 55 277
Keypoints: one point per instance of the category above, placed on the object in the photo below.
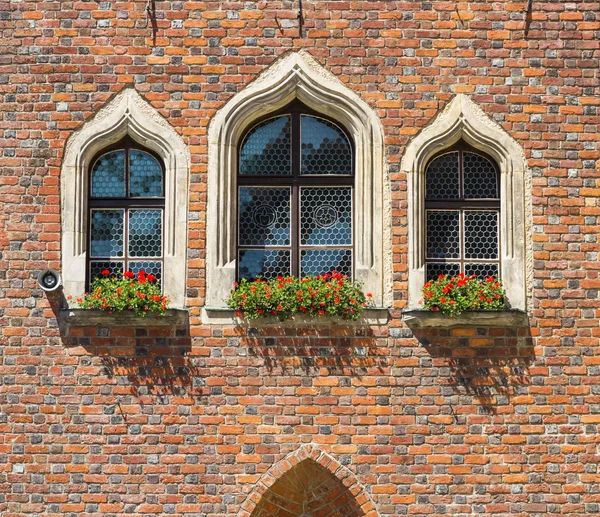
pixel 453 295
pixel 135 292
pixel 332 294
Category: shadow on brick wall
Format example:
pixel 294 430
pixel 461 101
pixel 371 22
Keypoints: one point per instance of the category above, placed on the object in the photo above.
pixel 489 364
pixel 319 350
pixel 154 361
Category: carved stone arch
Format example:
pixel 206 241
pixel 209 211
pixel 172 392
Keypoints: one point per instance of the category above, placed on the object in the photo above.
pixel 308 482
pixel 464 120
pixel 298 76
pixel 127 114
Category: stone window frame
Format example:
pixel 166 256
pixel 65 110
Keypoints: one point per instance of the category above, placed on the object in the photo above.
pixel 128 114
pixel 464 120
pixel 298 76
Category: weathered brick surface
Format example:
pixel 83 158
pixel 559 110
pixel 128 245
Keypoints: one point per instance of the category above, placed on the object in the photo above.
pixel 188 420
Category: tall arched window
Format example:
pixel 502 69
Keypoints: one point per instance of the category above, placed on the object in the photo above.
pixel 462 207
pixel 126 211
pixel 295 196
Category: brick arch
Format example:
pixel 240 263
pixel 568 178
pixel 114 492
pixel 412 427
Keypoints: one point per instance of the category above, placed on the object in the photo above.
pixel 308 483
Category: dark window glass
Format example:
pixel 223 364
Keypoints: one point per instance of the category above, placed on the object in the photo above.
pixel 462 211
pixel 298 222
pixel 126 208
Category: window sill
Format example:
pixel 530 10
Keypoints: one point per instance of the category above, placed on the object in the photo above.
pixel 419 318
pixel 226 316
pixel 92 318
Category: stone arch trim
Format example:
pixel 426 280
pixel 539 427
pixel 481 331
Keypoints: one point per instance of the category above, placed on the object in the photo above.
pixel 299 76
pixel 127 114
pixel 325 460
pixel 464 120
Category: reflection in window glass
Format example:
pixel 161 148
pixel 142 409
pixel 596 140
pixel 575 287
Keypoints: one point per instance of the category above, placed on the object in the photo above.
pixel 108 175
pixel 266 150
pixel 325 148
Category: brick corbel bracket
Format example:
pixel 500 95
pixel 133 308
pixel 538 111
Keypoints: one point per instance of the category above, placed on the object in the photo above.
pixel 463 120
pixel 299 76
pixel 126 114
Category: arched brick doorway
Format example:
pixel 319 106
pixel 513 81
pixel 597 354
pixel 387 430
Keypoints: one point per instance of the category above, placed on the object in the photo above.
pixel 308 490
pixel 308 483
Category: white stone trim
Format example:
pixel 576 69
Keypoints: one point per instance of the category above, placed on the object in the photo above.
pixel 127 114
pixel 298 76
pixel 464 120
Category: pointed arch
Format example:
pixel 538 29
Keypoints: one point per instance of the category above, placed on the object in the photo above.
pixel 128 114
pixel 464 120
pixel 298 76
pixel 308 482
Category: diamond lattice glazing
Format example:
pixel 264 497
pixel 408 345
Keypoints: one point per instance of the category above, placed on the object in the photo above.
pixel 264 216
pixel 108 175
pixel 442 177
pixel 145 233
pixel 326 216
pixel 325 148
pixel 443 234
pixel 106 239
pixel 145 175
pixel 267 149
pixel 319 262
pixel 481 235
pixel 480 177
pixel 264 263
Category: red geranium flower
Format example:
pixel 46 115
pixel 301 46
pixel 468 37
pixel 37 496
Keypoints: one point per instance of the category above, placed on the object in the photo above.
pixel 105 272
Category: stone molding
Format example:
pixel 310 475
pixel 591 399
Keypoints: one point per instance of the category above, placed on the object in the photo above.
pixel 464 120
pixel 127 114
pixel 310 453
pixel 299 76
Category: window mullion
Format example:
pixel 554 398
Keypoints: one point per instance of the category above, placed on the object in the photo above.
pixel 295 205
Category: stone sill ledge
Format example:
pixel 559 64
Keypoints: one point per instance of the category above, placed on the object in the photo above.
pixel 92 318
pixel 419 318
pixel 226 316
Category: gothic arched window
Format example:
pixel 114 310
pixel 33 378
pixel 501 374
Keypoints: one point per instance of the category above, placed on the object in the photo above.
pixel 462 210
pixel 295 196
pixel 126 211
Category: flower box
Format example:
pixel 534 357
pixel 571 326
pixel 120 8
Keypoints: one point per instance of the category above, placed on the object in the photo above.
pixel 421 318
pixel 93 318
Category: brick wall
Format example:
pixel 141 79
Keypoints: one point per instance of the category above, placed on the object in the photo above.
pixel 187 420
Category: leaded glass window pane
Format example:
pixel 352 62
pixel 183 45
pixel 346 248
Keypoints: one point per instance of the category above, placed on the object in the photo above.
pixel 97 266
pixel 267 149
pixel 442 180
pixel 435 269
pixel 108 175
pixel 480 177
pixel 149 266
pixel 106 238
pixel 482 269
pixel 145 233
pixel 322 261
pixel 264 263
pixel 326 216
pixel 443 234
pixel 145 175
pixel 481 235
pixel 325 148
pixel 264 216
